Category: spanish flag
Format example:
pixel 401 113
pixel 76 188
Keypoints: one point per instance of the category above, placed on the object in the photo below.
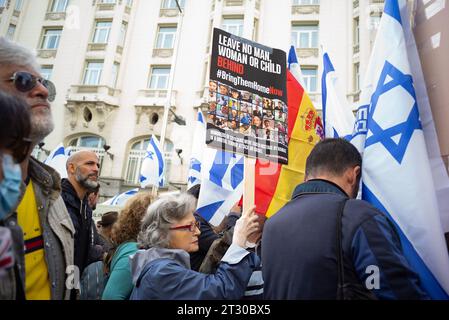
pixel 275 182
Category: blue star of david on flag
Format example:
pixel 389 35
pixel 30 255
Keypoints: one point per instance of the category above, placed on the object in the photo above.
pixel 390 78
pixel 150 155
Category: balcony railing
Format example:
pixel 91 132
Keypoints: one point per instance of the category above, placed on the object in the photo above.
pixel 162 53
pixel 97 89
pixel 168 12
pixel 46 53
pixel 97 46
pixel 153 93
pixel 307 52
pixel 233 3
pixel 306 9
pixel 105 6
pixel 55 16
pixel 356 48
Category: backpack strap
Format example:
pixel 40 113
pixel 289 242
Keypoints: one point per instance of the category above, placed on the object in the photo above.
pixel 340 262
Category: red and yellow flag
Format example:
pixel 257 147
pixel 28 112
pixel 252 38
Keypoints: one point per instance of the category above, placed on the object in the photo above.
pixel 274 182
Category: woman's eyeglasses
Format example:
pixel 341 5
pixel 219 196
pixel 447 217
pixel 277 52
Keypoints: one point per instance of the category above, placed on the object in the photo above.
pixel 25 81
pixel 191 227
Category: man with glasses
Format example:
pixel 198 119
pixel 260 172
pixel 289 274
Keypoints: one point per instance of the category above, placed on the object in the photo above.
pixel 41 226
pixel 83 168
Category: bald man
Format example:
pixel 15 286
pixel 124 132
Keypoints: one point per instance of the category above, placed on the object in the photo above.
pixel 82 177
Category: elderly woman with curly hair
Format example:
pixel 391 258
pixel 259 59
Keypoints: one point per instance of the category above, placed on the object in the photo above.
pixel 124 238
pixel 161 271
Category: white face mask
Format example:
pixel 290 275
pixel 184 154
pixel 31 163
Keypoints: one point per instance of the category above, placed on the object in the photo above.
pixel 10 185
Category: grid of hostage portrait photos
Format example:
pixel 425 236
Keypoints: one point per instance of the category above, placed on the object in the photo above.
pixel 247 113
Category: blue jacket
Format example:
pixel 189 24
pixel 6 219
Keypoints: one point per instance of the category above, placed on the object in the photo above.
pixel 299 251
pixel 165 274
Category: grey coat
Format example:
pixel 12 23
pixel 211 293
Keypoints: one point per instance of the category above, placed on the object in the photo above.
pixel 57 231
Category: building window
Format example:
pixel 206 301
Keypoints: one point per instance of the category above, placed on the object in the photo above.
pixel 159 78
pixel 171 4
pixel 122 38
pixel 129 3
pixel 51 38
pixel 136 156
pixel 92 74
pixel 305 36
pixel 11 31
pixel 46 72
pixel 310 78
pixel 356 34
pixel 102 29
pixel 107 1
pixel 356 77
pixel 233 25
pixel 114 74
pixel 166 37
pixel 2 3
pixel 305 2
pixel 18 5
pixel 59 5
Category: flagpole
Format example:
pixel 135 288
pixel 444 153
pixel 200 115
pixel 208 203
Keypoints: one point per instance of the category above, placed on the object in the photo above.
pixel 170 90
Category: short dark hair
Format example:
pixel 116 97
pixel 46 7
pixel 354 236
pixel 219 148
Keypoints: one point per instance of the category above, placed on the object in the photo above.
pixel 15 125
pixel 332 156
pixel 195 191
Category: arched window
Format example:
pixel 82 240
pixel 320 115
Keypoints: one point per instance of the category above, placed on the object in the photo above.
pixel 136 156
pixel 88 142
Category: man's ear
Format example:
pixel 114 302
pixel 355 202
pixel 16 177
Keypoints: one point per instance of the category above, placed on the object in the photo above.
pixel 352 174
pixel 71 168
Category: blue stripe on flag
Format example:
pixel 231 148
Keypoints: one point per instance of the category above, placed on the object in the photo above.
pixel 427 279
pixel 392 9
pixel 208 211
pixel 60 151
pixel 200 117
pixel 237 174
pixel 292 58
pixel 159 157
pixel 328 67
pixel 219 167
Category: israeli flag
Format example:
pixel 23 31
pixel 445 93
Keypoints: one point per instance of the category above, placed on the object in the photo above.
pixel 199 144
pixel 57 159
pixel 294 66
pixel 338 117
pixel 120 199
pixel 153 165
pixel 221 184
pixel 397 176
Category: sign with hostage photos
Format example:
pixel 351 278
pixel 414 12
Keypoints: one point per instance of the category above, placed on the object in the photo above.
pixel 247 98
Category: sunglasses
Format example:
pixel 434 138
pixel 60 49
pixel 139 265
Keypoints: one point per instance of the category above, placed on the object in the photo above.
pixel 191 227
pixel 25 81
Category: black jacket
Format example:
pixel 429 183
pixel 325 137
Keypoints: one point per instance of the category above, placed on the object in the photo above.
pixel 88 246
pixel 299 251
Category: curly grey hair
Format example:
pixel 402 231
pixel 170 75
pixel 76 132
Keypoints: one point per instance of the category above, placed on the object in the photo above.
pixel 13 53
pixel 160 215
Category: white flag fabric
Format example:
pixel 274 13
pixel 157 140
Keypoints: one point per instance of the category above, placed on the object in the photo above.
pixel 120 199
pixel 294 67
pixel 396 173
pixel 199 144
pixel 338 117
pixel 57 159
pixel 153 165
pixel 221 184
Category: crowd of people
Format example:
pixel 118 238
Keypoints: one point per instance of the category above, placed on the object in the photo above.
pixel 322 245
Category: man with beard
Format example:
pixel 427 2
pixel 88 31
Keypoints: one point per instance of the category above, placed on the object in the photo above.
pixel 41 228
pixel 82 178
